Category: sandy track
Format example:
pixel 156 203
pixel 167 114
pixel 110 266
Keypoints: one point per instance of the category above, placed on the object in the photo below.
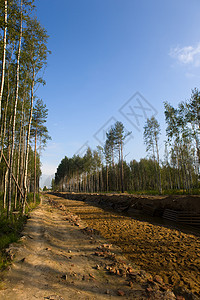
pixel 55 260
pixel 60 257
pixel 171 252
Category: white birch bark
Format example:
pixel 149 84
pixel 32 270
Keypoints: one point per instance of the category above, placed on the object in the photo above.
pixel 35 168
pixel 28 142
pixel 5 188
pixel 159 173
pixel 19 154
pixel 4 119
pixel 4 56
pixel 14 114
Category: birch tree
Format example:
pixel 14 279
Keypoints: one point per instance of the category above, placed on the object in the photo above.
pixel 23 54
pixel 151 137
pixel 35 46
pixel 15 109
pixel 4 53
pixel 40 132
pixel 119 138
pixel 193 118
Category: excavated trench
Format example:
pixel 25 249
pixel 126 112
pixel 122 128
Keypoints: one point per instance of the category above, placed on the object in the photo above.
pixel 159 246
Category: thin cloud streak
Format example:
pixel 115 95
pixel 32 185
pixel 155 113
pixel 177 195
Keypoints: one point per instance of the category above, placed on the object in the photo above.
pixel 187 55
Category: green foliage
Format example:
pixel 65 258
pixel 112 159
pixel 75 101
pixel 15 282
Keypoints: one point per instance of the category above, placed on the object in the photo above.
pixel 99 170
pixel 38 129
pixel 10 228
pixel 30 198
pixel 151 135
pixel 9 233
pixel 26 51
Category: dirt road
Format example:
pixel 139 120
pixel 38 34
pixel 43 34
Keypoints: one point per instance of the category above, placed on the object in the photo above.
pixel 160 249
pixel 61 256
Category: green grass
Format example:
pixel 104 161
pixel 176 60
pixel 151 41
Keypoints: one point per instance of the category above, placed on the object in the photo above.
pixel 9 233
pixel 145 192
pixel 195 191
pixel 10 228
pixel 31 204
pixel 182 192
pixel 167 192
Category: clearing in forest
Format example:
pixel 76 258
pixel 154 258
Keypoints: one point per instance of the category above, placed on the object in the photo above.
pixel 61 257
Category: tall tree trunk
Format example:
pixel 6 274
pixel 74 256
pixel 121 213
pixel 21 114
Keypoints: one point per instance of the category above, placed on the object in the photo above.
pixel 5 188
pixel 85 182
pixel 178 165
pixel 35 168
pixel 14 116
pixel 101 177
pixel 19 153
pixel 122 169
pixel 28 142
pixel 98 179
pixel 4 54
pixel 7 171
pixel 78 182
pixel 107 188
pixel 159 173
pixel 156 169
pixel 22 159
pixel 3 128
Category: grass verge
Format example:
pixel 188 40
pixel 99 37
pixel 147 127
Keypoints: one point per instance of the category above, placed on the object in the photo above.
pixel 11 228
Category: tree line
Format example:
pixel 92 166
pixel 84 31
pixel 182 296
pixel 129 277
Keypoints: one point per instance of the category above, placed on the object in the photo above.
pixel 105 169
pixel 23 133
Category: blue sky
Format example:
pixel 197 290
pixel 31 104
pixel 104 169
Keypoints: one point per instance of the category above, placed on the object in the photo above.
pixel 110 58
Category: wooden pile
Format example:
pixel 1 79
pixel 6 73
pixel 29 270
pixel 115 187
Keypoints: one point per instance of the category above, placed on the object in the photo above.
pixel 184 217
pixel 149 210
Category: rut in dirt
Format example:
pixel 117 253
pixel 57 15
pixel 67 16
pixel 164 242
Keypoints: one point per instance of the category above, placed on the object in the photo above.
pixel 159 249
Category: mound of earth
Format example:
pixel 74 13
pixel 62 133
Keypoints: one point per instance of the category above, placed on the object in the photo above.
pixel 163 249
pixel 120 202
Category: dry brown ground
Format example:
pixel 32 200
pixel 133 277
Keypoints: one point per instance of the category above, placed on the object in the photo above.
pixel 173 253
pixel 58 257
pixel 63 257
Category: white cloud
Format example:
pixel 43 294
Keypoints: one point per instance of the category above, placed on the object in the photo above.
pixel 187 55
pixel 190 75
pixel 49 169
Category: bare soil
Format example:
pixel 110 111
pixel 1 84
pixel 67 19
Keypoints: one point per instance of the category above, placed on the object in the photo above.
pixel 119 202
pixel 73 250
pixel 160 248
pixel 59 257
